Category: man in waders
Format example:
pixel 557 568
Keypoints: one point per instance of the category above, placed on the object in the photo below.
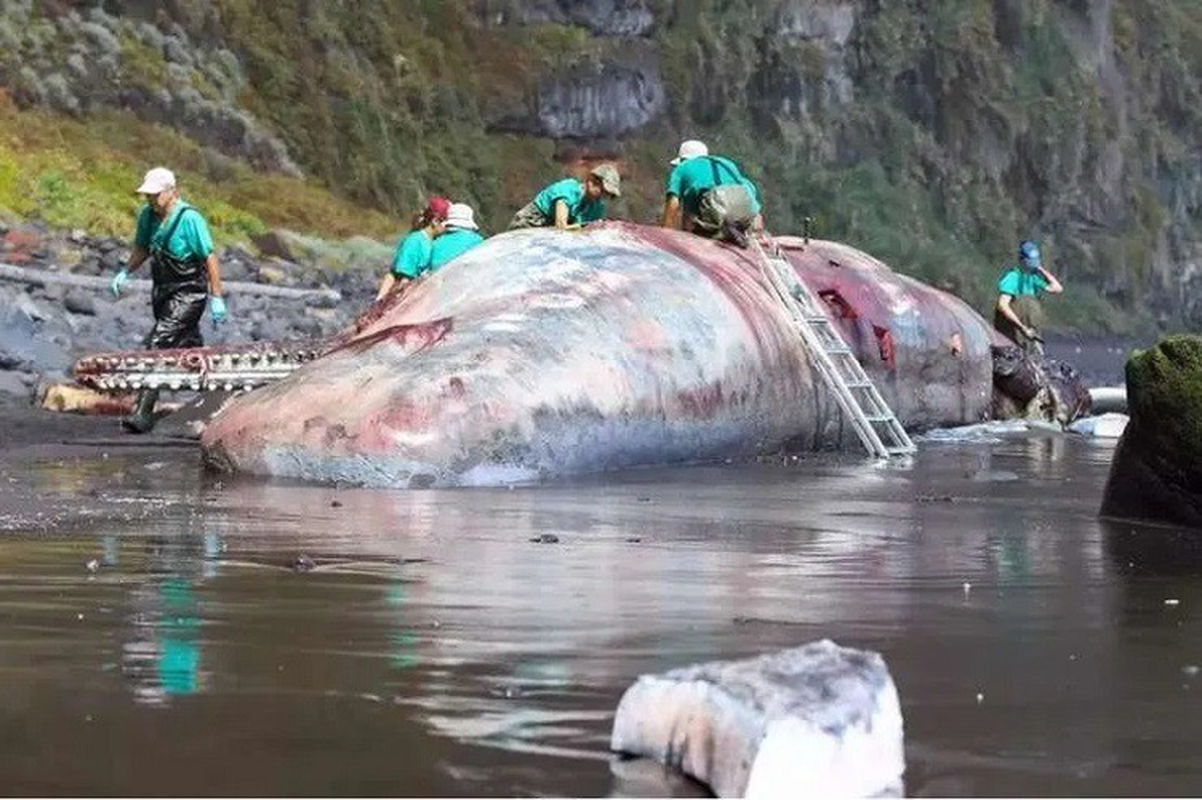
pixel 708 195
pixel 1019 312
pixel 569 202
pixel 183 268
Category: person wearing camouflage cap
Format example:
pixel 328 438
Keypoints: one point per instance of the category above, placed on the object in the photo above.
pixel 570 202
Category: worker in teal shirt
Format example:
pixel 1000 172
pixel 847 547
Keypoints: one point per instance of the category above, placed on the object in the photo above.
pixel 461 234
pixel 569 202
pixel 1019 312
pixel 709 195
pixel 185 276
pixel 415 250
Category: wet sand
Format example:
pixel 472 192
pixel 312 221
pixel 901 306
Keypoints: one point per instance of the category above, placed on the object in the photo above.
pixel 157 636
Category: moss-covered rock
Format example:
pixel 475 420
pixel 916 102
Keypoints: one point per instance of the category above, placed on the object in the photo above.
pixel 1157 470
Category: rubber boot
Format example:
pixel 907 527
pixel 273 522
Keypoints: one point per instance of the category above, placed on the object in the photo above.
pixel 142 418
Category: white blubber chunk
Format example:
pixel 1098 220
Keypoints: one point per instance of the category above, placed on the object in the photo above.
pixel 817 720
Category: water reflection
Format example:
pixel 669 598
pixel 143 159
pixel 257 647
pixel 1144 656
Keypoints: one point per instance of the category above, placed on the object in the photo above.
pixel 162 656
pixel 432 624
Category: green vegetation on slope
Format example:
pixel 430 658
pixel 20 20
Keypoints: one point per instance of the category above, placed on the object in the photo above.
pixel 76 174
pixel 968 124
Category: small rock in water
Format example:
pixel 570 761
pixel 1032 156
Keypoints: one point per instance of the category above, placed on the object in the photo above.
pixel 546 538
pixel 304 564
pixel 93 565
pixel 335 504
pixel 633 540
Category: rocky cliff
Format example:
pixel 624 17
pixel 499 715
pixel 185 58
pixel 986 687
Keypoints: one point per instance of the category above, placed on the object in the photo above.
pixel 933 133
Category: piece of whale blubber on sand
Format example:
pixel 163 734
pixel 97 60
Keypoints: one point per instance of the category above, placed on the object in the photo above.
pixel 816 721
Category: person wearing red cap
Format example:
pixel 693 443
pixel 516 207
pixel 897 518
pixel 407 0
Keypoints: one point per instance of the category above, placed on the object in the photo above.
pixel 414 251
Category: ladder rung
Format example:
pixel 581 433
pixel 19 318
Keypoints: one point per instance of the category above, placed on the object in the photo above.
pixel 836 361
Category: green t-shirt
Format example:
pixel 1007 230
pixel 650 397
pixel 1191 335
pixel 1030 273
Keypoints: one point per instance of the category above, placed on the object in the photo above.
pixel 412 255
pixel 452 244
pixel 189 242
pixel 571 191
pixel 689 180
pixel 1019 282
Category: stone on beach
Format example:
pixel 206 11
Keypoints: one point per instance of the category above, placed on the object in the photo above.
pixel 817 720
pixel 1157 468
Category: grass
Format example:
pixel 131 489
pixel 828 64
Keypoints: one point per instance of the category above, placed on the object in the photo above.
pixel 74 174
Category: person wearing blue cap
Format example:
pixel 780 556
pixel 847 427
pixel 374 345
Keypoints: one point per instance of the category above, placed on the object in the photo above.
pixel 1019 313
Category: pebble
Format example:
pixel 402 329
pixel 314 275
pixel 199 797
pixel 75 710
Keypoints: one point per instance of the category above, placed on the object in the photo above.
pixel 304 564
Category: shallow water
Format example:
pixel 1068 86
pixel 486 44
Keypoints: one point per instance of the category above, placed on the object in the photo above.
pixel 435 649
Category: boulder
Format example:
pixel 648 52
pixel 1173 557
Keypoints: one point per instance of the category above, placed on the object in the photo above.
pixel 275 244
pixel 1157 468
pixel 78 301
pixel 818 720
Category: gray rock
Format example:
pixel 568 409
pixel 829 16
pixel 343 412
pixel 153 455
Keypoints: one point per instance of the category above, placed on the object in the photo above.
pixel 14 383
pixel 610 99
pixel 819 720
pixel 78 301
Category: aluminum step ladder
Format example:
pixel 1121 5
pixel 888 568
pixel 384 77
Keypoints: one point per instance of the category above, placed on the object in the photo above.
pixel 874 422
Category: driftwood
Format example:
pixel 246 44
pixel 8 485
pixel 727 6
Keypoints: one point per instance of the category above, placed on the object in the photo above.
pixel 40 277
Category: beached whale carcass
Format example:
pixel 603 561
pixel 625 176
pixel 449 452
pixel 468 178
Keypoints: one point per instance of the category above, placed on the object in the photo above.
pixel 545 353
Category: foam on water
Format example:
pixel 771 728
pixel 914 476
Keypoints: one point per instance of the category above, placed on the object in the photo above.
pixel 982 433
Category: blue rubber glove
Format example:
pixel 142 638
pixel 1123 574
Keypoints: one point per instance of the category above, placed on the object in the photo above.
pixel 217 309
pixel 118 281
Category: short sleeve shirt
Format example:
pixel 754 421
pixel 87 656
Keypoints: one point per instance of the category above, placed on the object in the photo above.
pixel 571 191
pixel 1018 282
pixel 412 255
pixel 190 241
pixel 691 179
pixel 452 244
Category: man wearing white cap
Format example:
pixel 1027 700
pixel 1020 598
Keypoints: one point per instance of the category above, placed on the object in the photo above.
pixel 709 195
pixel 183 268
pixel 460 235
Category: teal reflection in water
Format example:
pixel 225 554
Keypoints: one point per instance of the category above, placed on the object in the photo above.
pixel 179 633
pixel 403 653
